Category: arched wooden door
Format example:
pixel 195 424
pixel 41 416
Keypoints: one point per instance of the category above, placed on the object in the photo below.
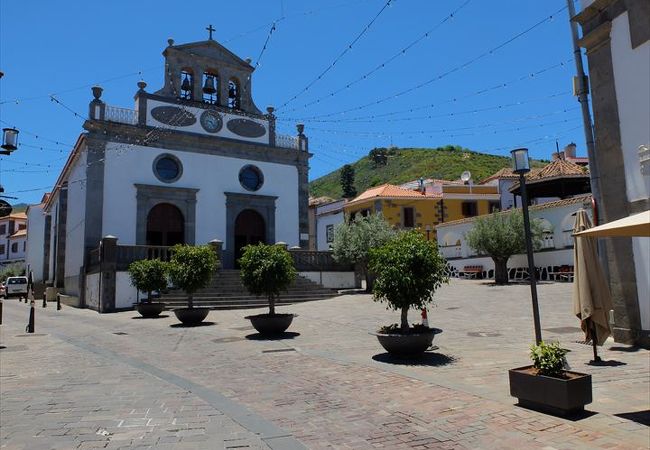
pixel 165 225
pixel 250 229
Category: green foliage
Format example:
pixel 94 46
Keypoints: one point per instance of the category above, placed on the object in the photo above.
pixel 354 239
pixel 12 270
pixel 379 156
pixel 409 270
pixel 192 267
pixel 548 359
pixel 501 235
pixel 347 181
pixel 148 275
pixel 407 164
pixel 267 270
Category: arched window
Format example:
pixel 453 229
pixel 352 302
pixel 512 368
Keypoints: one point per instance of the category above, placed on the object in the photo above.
pixel 210 83
pixel 234 94
pixel 165 225
pixel 187 83
pixel 547 233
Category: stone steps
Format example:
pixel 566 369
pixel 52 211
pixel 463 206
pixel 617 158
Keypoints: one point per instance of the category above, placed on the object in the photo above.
pixel 227 292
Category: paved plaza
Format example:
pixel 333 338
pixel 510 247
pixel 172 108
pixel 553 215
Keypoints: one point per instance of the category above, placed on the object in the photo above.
pixel 117 381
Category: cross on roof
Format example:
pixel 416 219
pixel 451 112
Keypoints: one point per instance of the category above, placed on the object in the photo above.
pixel 210 30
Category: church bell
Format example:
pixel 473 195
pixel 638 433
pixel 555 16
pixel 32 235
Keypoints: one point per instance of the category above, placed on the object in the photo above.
pixel 186 86
pixel 208 86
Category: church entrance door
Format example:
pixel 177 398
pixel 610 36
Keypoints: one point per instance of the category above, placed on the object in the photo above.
pixel 250 229
pixel 165 225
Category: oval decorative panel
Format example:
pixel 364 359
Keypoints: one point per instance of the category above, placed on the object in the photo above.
pixel 174 116
pixel 246 128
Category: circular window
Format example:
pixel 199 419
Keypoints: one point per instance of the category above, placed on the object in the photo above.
pixel 251 178
pixel 167 168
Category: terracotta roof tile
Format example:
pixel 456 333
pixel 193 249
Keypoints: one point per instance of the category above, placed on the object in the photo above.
pixel 392 191
pixel 507 173
pixel 557 169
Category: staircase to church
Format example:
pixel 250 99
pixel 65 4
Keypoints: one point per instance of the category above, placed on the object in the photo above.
pixel 227 292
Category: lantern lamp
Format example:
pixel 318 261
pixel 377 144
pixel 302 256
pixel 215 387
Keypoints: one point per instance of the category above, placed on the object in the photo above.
pixel 9 140
pixel 520 160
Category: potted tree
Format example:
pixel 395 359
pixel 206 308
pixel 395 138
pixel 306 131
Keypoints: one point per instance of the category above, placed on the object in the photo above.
pixel 149 275
pixel 267 270
pixel 191 268
pixel 546 386
pixel 409 270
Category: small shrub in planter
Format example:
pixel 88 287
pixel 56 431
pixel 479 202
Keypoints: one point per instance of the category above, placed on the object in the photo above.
pixel 409 270
pixel 191 268
pixel 267 270
pixel 547 386
pixel 148 275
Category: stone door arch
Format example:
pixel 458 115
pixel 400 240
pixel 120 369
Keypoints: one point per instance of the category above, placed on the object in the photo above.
pixel 165 225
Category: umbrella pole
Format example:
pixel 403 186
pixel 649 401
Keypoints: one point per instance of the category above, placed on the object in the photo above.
pixel 594 341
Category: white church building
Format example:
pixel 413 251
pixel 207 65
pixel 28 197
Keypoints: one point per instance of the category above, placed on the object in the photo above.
pixel 193 162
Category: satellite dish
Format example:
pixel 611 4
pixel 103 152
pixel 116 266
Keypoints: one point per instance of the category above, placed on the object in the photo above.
pixel 466 176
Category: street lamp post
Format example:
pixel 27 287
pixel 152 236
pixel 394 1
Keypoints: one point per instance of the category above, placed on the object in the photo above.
pixel 9 141
pixel 521 167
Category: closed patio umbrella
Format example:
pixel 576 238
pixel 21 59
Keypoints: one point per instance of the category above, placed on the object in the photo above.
pixel 591 298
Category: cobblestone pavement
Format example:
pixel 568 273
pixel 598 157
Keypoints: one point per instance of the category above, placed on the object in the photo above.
pixel 86 380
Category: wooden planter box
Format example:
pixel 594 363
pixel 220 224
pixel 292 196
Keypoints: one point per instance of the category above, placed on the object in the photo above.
pixel 558 396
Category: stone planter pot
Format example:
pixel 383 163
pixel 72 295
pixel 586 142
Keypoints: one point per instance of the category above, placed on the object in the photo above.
pixel 406 345
pixel 267 324
pixel 558 396
pixel 191 316
pixel 152 309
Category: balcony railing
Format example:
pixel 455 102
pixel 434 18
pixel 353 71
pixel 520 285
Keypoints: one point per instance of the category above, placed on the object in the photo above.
pixel 126 254
pixel 121 115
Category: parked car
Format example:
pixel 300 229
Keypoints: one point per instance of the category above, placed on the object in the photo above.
pixel 16 287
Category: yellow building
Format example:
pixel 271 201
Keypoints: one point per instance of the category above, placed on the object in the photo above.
pixel 436 202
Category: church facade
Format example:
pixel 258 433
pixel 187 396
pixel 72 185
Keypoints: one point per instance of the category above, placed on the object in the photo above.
pixel 193 162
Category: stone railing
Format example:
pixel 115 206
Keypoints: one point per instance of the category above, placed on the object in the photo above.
pixel 315 261
pixel 285 141
pixel 121 115
pixel 126 254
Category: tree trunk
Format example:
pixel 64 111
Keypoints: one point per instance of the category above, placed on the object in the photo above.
pixel 148 296
pixel 190 301
pixel 271 305
pixel 370 281
pixel 500 270
pixel 405 320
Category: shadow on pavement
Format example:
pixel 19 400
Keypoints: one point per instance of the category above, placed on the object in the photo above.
pixel 162 316
pixel 610 363
pixel 272 337
pixel 572 417
pixel 200 324
pixel 619 348
pixel 427 359
pixel 642 417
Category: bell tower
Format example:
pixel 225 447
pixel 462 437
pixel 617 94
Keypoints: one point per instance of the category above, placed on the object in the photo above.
pixel 207 72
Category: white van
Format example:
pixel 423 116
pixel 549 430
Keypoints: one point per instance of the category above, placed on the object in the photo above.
pixel 16 287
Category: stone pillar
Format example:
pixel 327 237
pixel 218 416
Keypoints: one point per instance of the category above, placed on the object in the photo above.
pixel 141 103
pixel 47 237
pixel 271 117
pixel 61 233
pixel 97 108
pixel 217 247
pixel 108 269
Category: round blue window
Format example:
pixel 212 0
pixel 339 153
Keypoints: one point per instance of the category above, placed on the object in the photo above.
pixel 251 178
pixel 167 168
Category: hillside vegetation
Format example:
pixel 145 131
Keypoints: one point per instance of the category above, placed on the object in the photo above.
pixel 407 164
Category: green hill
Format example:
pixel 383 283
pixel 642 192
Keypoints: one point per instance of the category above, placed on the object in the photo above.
pixel 407 164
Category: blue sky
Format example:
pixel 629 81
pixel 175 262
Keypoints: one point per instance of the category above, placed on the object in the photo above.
pixel 465 82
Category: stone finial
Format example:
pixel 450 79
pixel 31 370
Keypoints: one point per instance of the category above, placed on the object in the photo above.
pixel 270 109
pixel 141 85
pixel 170 42
pixel 97 92
pixel 248 60
pixel 300 127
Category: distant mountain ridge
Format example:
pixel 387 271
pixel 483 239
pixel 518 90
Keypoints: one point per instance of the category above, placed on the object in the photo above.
pixel 400 165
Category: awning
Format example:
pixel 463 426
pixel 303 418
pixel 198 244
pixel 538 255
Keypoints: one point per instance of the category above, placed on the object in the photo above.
pixel 634 225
